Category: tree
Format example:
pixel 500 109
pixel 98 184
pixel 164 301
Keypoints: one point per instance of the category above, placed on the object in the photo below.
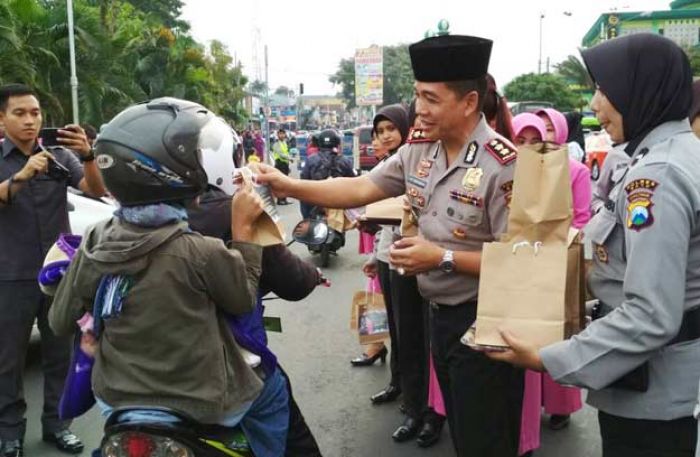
pixel 258 87
pixel 575 73
pixel 166 11
pixel 546 88
pixel 284 90
pixel 345 78
pixel 694 57
pixel 398 76
pixel 126 51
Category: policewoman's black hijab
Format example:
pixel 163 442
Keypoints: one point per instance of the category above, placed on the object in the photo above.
pixel 397 114
pixel 646 77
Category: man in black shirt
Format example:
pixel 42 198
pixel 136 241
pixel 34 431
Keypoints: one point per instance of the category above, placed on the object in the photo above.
pixel 33 212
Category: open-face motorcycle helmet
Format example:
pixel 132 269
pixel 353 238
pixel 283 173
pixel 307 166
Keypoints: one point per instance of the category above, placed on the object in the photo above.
pixel 152 152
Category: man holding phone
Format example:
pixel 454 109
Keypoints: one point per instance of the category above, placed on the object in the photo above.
pixel 33 212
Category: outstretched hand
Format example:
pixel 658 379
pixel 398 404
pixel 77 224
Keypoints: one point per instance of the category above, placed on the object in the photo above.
pixel 272 177
pixel 520 353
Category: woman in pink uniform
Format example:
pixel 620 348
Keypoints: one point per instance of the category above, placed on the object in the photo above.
pixel 540 390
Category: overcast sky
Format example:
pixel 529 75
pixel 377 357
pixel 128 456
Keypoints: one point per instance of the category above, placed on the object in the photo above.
pixel 307 38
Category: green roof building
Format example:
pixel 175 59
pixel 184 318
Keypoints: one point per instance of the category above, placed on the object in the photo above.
pixel 681 24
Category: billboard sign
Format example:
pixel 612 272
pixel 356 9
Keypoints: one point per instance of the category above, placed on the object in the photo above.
pixel 369 76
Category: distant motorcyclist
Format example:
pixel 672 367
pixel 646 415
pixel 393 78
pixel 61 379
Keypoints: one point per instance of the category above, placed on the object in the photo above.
pixel 327 163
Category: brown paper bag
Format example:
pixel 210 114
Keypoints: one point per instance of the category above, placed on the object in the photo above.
pixel 541 207
pixel 385 212
pixel 369 317
pixel 267 230
pixel 575 312
pixel 338 220
pixel 532 281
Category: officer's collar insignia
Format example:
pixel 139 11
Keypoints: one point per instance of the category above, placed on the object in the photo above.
pixel 639 199
pixel 502 151
pixel 418 136
pixel 470 156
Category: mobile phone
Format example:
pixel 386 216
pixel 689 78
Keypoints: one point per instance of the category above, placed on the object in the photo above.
pixel 49 137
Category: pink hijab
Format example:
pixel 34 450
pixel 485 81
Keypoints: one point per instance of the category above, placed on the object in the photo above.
pixel 525 120
pixel 561 128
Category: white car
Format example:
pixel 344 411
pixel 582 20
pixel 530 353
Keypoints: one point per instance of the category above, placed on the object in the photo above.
pixel 84 212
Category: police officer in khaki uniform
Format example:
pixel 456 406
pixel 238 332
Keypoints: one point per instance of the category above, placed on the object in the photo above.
pixel 641 357
pixel 457 173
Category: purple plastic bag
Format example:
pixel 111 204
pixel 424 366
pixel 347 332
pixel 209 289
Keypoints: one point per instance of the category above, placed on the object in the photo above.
pixel 77 397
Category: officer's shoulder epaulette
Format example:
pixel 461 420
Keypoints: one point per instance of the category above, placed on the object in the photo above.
pixel 501 150
pixel 417 136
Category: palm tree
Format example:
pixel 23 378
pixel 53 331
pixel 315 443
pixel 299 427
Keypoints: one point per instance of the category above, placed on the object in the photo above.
pixel 575 72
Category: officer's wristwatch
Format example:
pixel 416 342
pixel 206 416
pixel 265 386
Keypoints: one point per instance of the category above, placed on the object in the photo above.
pixel 447 264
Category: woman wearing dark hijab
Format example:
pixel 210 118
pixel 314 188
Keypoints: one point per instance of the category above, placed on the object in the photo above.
pixel 695 109
pixel 640 357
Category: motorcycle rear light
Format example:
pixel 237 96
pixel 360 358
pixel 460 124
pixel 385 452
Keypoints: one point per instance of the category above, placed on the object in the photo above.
pixel 133 444
pixel 139 445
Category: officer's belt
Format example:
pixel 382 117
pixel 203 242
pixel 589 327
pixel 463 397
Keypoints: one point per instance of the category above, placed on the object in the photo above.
pixel 439 306
pixel 689 330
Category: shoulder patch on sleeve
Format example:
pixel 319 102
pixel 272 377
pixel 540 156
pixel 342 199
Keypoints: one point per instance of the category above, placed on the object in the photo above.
pixel 418 136
pixel 501 150
pixel 640 193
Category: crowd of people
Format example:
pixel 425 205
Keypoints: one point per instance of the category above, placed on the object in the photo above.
pixel 182 242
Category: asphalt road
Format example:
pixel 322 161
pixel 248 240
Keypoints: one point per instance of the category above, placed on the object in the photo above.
pixel 315 348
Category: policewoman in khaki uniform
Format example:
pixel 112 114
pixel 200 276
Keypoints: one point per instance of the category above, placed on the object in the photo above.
pixel 641 357
pixel 457 173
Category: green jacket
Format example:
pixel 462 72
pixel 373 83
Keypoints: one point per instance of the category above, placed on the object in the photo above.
pixel 169 347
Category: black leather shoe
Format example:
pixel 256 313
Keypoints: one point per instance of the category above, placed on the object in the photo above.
pixel 12 448
pixel 559 421
pixel 65 441
pixel 409 429
pixel 364 360
pixel 389 394
pixel 429 434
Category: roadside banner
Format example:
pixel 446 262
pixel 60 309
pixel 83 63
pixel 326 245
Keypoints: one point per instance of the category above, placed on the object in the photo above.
pixel 369 76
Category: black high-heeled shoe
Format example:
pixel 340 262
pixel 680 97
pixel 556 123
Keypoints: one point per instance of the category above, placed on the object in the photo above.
pixel 364 360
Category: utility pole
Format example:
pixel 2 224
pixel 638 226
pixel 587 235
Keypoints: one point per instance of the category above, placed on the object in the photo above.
pixel 539 61
pixel 73 74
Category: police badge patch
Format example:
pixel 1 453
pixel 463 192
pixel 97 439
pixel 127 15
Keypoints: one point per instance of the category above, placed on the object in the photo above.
pixel 639 203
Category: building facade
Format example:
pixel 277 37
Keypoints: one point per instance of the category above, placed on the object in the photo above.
pixel 681 23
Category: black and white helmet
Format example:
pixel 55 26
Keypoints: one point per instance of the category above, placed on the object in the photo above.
pixel 152 152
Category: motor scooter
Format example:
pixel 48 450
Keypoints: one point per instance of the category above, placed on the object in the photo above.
pixel 321 239
pixel 162 432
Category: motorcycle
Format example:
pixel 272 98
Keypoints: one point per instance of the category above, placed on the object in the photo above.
pixel 162 432
pixel 319 237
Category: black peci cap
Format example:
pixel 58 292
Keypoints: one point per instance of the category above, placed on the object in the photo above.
pixel 450 58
